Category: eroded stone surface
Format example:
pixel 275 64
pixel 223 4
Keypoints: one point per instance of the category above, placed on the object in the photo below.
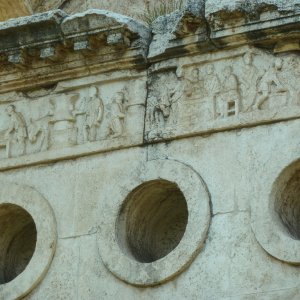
pixel 176 168
pixel 238 88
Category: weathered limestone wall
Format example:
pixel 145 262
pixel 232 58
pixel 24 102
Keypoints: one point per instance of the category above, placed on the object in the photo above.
pixel 158 163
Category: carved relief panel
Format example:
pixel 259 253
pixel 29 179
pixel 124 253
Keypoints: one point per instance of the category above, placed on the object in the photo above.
pixel 218 91
pixel 93 117
pixel 163 104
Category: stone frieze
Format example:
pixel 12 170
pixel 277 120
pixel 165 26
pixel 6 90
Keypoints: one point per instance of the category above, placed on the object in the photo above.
pixel 58 123
pixel 222 91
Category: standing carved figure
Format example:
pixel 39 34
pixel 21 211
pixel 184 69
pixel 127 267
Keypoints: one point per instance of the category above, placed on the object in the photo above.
pixel 89 112
pixel 212 82
pixel 16 131
pixel 80 114
pixel 116 125
pixel 212 88
pixel 193 85
pixel 270 84
pixel 249 78
pixel 94 114
pixel 230 99
pixel 39 128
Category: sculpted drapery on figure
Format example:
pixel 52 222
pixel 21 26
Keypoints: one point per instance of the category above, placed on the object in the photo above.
pixel 118 114
pixel 194 96
pixel 40 128
pixel 16 132
pixel 248 80
pixel 194 84
pixel 89 113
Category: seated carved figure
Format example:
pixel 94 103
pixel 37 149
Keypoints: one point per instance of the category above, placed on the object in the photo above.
pixel 271 85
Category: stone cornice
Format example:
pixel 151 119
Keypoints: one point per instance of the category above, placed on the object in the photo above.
pixel 53 46
pixel 219 26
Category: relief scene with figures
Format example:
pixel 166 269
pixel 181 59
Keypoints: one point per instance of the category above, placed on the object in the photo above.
pixel 250 87
pixel 64 120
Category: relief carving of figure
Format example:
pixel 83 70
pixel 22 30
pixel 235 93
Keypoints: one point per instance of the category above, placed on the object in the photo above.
pixel 16 132
pixel 294 81
pixel 118 114
pixel 228 103
pixel 164 105
pixel 193 85
pixel 212 88
pixel 248 79
pixel 211 81
pixel 271 85
pixel 162 108
pixel 89 114
pixel 40 128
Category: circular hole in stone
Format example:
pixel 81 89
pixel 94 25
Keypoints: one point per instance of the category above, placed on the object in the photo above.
pixel 152 221
pixel 287 203
pixel 17 241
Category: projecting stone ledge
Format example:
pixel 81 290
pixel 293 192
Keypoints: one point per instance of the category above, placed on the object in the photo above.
pixel 49 43
pixel 202 27
pixel 46 35
pixel 224 13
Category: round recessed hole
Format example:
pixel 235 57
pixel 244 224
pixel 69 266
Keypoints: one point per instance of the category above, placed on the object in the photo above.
pixel 18 236
pixel 287 203
pixel 152 221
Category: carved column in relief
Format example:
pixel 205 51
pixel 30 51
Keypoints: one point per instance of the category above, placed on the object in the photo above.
pixel 64 131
